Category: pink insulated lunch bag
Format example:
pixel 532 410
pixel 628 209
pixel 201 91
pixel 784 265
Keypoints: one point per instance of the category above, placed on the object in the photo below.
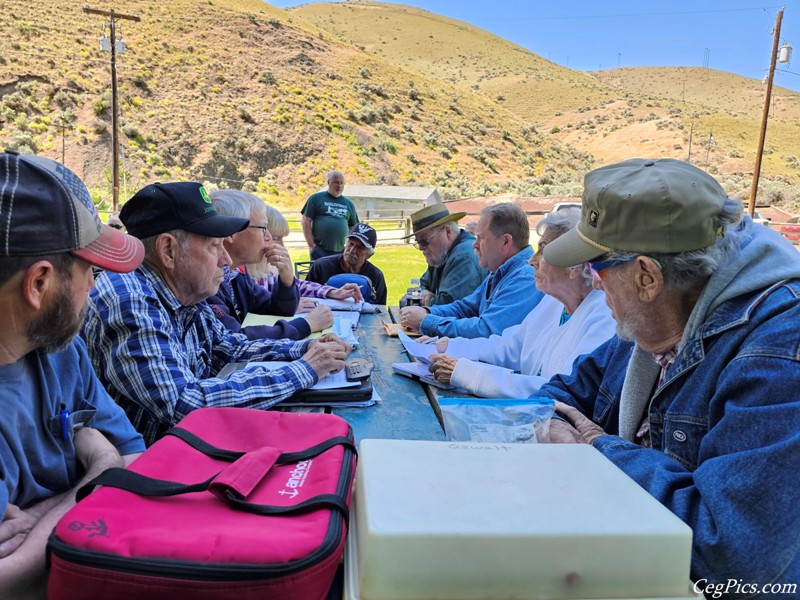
pixel 231 503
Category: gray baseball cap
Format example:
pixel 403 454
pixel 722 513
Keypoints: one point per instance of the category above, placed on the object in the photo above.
pixel 642 205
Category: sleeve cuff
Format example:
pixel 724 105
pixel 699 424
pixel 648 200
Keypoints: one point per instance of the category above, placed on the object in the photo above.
pixel 302 326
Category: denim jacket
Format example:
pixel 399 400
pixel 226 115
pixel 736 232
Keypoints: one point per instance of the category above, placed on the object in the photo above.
pixel 725 430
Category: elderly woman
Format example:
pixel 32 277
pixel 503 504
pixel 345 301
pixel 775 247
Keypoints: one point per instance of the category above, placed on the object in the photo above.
pixel 571 320
pixel 267 276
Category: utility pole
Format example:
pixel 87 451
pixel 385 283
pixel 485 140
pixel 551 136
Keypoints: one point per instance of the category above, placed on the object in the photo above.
pixel 691 133
pixel 113 16
pixel 765 116
pixel 63 127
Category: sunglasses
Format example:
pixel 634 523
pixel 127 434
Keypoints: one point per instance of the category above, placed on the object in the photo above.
pixel 425 242
pixel 596 267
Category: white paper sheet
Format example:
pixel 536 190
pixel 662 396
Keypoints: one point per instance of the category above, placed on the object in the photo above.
pixel 329 382
pixel 421 351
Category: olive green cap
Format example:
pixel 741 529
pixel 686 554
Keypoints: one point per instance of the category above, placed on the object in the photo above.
pixel 642 205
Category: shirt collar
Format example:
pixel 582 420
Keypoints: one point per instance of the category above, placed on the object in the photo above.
pixel 167 296
pixel 665 359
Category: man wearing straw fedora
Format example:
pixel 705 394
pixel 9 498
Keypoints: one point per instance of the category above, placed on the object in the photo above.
pixel 453 268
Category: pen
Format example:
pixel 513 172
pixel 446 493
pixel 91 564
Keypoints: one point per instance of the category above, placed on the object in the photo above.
pixel 64 416
pixel 432 340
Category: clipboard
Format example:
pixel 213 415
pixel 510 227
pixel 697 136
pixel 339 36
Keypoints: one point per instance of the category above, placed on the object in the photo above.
pixel 419 372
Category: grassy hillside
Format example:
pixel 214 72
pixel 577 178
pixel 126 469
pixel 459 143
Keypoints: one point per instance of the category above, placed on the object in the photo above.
pixel 243 95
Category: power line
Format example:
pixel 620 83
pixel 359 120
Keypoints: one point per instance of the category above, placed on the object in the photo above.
pixel 614 16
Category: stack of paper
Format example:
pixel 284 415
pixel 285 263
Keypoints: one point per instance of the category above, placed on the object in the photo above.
pixel 347 304
pixel 342 328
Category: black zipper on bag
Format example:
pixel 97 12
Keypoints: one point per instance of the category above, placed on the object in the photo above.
pixel 194 571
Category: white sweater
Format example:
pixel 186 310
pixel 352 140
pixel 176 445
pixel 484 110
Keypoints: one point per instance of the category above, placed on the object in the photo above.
pixel 537 349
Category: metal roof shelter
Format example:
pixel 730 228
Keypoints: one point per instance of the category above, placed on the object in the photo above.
pixel 375 198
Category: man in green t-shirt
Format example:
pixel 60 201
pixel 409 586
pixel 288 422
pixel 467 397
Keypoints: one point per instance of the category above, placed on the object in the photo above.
pixel 327 217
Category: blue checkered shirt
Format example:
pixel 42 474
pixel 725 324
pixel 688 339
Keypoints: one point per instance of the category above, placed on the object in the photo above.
pixel 158 358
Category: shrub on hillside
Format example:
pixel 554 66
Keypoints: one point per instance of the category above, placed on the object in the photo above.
pixel 267 77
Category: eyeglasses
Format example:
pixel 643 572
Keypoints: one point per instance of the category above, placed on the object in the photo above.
pixel 264 230
pixel 425 242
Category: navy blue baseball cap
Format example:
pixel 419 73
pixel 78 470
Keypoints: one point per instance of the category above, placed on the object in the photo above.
pixel 161 207
pixel 46 209
pixel 364 234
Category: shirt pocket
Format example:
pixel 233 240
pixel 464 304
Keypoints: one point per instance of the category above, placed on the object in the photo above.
pixel 682 436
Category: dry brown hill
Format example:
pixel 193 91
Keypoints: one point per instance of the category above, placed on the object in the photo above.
pixel 611 114
pixel 242 94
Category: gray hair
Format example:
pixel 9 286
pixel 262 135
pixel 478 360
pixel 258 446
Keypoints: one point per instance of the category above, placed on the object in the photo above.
pixel 235 203
pixel 452 226
pixel 149 243
pixel 692 269
pixel 560 221
pixel 509 218
pixel 277 224
pixel 332 174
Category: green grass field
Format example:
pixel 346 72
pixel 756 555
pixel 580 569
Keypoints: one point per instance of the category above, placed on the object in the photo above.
pixel 398 263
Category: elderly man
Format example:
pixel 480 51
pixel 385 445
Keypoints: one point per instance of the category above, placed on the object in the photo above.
pixel 453 268
pixel 697 398
pixel 361 242
pixel 504 298
pixel 155 342
pixel 59 428
pixel 327 216
pixel 239 295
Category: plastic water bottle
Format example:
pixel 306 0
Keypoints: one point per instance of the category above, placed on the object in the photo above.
pixel 414 293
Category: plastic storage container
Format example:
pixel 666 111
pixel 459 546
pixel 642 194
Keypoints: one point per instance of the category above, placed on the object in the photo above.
pixel 466 521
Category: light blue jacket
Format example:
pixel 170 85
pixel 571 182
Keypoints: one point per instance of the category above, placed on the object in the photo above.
pixel 724 423
pixel 513 296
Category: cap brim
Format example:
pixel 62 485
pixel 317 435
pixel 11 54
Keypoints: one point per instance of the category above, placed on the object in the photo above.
pixel 363 240
pixel 451 217
pixel 217 226
pixel 570 249
pixel 113 251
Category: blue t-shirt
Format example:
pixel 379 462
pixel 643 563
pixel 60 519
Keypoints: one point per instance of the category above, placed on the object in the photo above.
pixel 36 462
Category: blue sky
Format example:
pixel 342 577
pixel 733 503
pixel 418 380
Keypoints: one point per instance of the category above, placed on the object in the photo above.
pixel 731 35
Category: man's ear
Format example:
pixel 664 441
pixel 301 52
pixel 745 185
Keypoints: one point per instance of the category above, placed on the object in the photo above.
pixel 649 279
pixel 39 279
pixel 167 249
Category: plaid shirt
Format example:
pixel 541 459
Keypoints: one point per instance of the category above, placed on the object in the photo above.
pixel 310 289
pixel 158 358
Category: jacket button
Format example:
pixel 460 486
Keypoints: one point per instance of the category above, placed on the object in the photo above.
pixel 679 435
